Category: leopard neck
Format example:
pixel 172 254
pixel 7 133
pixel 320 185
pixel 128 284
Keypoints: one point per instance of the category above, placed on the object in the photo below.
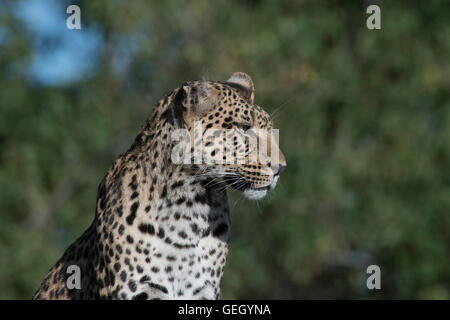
pixel 168 192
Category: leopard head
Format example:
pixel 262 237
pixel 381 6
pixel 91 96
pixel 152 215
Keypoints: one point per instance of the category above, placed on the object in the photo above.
pixel 226 136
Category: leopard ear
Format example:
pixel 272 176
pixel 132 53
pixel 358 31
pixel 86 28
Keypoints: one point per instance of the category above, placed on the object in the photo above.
pixel 200 98
pixel 176 110
pixel 244 84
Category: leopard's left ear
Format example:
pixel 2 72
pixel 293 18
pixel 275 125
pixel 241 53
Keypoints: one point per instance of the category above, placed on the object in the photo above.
pixel 191 101
pixel 244 84
pixel 201 97
pixel 174 113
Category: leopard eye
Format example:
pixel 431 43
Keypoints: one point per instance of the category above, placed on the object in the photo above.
pixel 243 126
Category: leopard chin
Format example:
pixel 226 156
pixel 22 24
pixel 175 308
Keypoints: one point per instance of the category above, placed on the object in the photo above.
pixel 248 190
pixel 255 194
pixel 259 193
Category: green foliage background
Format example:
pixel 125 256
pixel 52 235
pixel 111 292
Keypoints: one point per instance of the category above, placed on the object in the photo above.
pixel 364 124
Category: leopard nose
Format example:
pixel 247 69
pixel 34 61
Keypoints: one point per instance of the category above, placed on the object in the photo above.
pixel 279 169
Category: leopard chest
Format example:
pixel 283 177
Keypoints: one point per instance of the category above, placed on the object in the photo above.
pixel 177 254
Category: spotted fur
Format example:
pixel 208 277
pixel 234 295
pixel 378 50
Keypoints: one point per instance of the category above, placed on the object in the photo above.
pixel 161 230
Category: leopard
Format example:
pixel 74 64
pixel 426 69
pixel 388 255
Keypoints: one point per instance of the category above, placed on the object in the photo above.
pixel 161 228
